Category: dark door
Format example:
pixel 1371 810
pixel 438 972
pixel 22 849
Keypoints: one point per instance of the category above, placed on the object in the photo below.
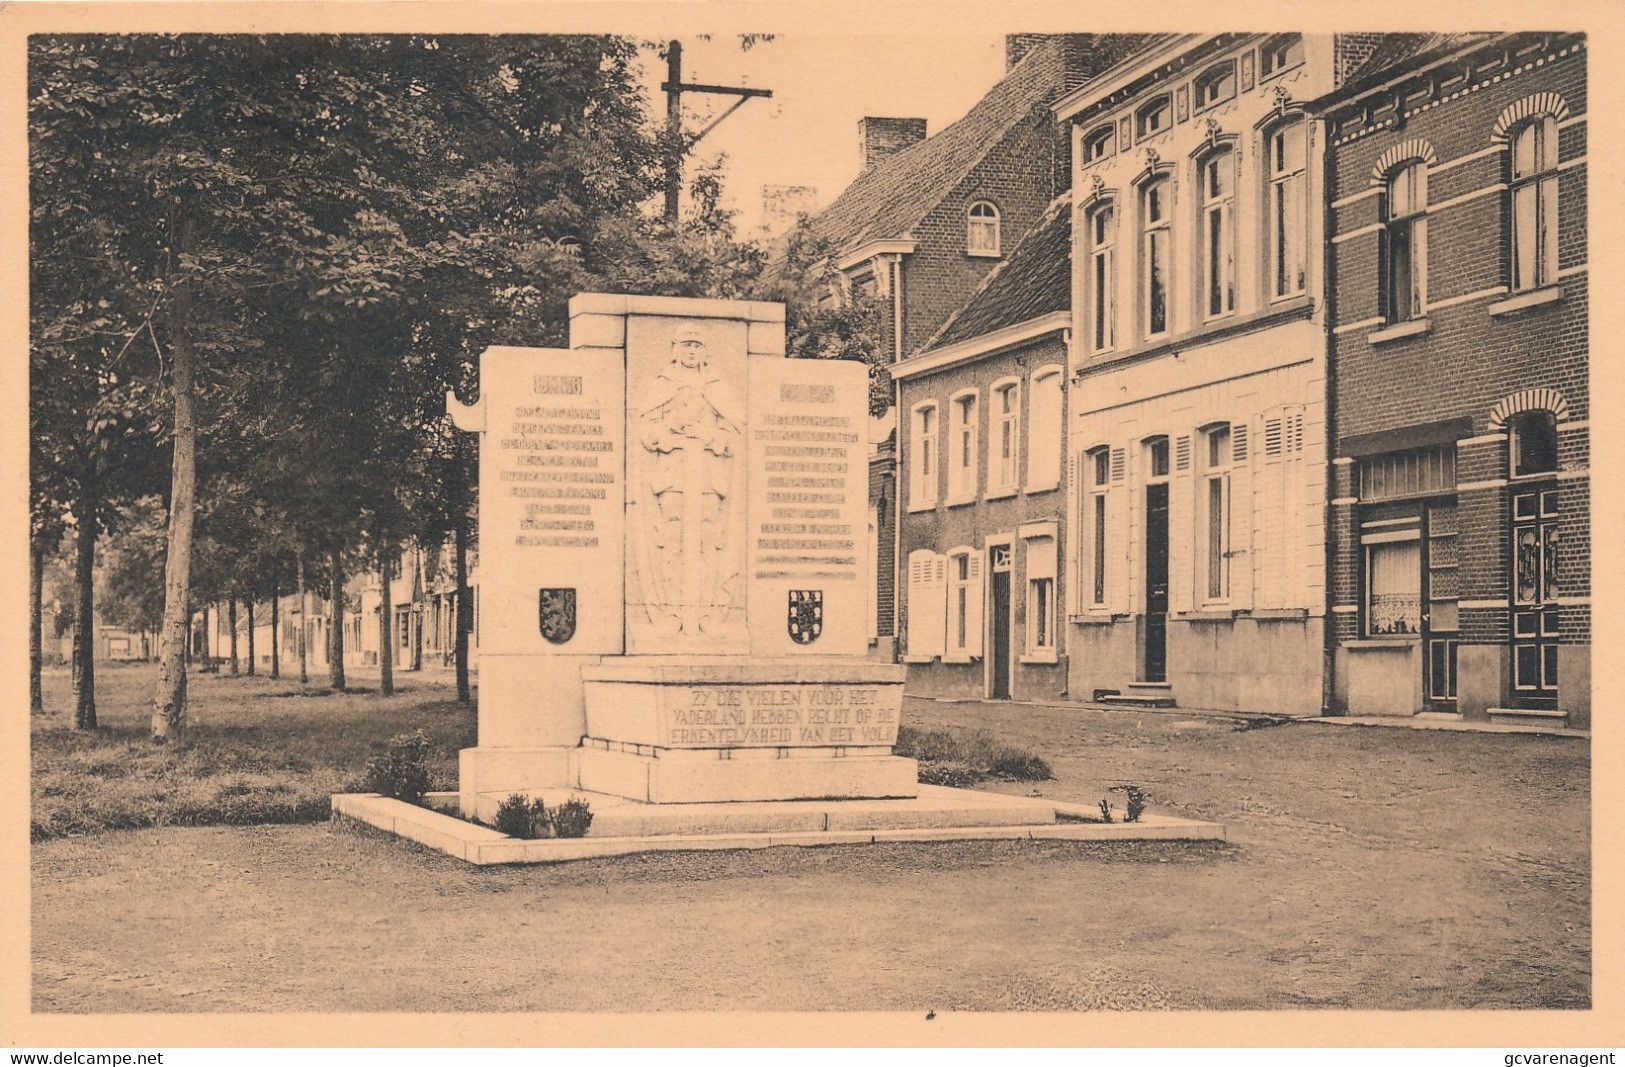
pixel 1155 665
pixel 999 673
pixel 1440 589
pixel 1534 596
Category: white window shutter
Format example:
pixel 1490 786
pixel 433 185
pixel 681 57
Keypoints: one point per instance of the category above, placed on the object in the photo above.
pixel 974 595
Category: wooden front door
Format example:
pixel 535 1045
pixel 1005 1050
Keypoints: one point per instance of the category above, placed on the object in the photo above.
pixel 1535 587
pixel 998 684
pixel 1154 658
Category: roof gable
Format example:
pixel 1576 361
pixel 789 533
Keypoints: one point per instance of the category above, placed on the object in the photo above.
pixel 1035 280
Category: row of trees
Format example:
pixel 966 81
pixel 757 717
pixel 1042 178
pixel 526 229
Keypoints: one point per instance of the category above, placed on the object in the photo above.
pixel 259 262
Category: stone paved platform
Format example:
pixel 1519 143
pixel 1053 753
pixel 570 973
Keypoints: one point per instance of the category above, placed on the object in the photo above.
pixel 621 826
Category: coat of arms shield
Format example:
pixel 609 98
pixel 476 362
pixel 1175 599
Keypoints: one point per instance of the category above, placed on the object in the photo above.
pixel 806 615
pixel 557 615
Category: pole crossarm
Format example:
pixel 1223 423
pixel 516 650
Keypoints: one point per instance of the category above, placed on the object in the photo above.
pixel 726 90
pixel 678 145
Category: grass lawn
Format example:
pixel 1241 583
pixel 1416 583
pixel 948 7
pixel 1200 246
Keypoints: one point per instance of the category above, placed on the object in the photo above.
pixel 256 749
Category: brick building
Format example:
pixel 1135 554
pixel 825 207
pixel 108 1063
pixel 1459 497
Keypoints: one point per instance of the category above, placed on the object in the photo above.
pixel 929 217
pixel 1459 532
pixel 1197 400
pixel 982 418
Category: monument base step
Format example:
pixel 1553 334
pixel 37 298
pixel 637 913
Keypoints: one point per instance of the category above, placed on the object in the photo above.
pixel 621 826
pixel 700 777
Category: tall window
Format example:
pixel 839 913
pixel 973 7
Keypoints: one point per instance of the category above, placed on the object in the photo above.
pixel 962 445
pixel 1100 143
pixel 1098 466
pixel 1286 209
pixel 1005 472
pixel 1534 204
pixel 1405 243
pixel 1045 436
pixel 1215 85
pixel 982 229
pixel 1155 249
pixel 1216 511
pixel 1102 280
pixel 1041 596
pixel 964 604
pixel 1154 117
pixel 1218 181
pixel 923 475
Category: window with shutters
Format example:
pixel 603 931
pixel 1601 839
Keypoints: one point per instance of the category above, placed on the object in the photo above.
pixel 1287 209
pixel 1004 464
pixel 926 605
pixel 1214 509
pixel 1533 189
pixel 963 447
pixel 922 479
pixel 1097 472
pixel 1041 607
pixel 1045 435
pixel 964 593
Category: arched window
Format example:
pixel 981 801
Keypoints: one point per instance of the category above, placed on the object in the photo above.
pixel 1534 203
pixel 1287 208
pixel 1405 257
pixel 1004 466
pixel 1215 85
pixel 982 229
pixel 1217 179
pixel 1100 142
pixel 1101 280
pixel 1156 252
pixel 1153 117
pixel 1215 511
pixel 1045 436
pixel 1533 445
pixel 1278 53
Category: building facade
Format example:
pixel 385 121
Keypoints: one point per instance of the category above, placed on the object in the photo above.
pixel 1460 534
pixel 981 420
pixel 1197 400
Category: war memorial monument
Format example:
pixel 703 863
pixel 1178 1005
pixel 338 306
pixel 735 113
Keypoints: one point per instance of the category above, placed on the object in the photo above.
pixel 672 523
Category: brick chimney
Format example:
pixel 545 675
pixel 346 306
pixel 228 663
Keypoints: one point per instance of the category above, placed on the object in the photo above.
pixel 1017 45
pixel 879 138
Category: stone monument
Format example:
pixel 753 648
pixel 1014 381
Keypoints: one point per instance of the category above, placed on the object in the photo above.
pixel 672 547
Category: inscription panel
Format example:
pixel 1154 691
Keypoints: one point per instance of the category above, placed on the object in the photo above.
pixel 778 716
pixel 809 485
pixel 551 502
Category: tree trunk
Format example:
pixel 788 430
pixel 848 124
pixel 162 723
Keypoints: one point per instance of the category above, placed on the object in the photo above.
pixel 465 615
pixel 276 638
pixel 84 635
pixel 335 626
pixel 251 634
pixel 386 629
pixel 231 623
pixel 169 702
pixel 304 624
pixel 36 637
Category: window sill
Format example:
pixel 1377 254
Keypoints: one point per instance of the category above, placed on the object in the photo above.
pixel 918 659
pixel 1377 644
pixel 1094 619
pixel 1000 494
pixel 959 658
pixel 1218 615
pixel 926 505
pixel 982 255
pixel 1287 309
pixel 1042 656
pixel 1408 328
pixel 960 501
pixel 1049 487
pixel 1533 298
pixel 1267 614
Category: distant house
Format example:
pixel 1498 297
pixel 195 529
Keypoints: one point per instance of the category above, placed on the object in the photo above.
pixel 1460 530
pixel 983 517
pixel 930 217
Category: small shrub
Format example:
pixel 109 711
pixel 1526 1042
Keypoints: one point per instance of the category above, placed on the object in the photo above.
pixel 572 818
pixel 1020 765
pixel 402 771
pixel 954 775
pixel 1133 802
pixel 521 817
pixel 1106 810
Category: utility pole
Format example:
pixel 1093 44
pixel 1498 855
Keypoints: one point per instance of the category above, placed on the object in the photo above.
pixel 677 146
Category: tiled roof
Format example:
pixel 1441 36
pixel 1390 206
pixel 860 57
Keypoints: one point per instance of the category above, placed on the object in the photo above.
pixel 1035 280
pixel 890 199
pixel 1396 49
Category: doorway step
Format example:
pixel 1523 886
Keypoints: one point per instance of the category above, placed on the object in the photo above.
pixel 1139 695
pixel 1529 716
